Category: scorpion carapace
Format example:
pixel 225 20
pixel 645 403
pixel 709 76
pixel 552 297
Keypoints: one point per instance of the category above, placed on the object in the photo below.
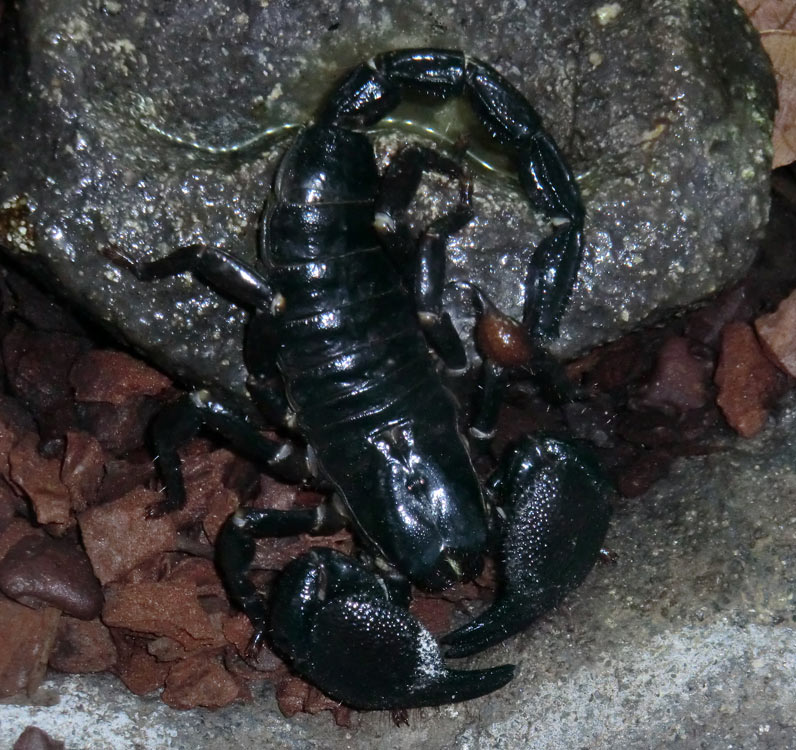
pixel 338 356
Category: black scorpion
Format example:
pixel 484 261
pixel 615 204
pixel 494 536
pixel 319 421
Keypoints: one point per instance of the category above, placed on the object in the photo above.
pixel 338 353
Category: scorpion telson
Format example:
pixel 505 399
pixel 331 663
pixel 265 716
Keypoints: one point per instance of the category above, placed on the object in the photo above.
pixel 344 306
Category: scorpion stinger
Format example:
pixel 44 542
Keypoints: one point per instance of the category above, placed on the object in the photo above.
pixel 338 350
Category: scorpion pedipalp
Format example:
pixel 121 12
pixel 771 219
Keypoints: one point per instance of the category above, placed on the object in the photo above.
pixel 336 623
pixel 555 501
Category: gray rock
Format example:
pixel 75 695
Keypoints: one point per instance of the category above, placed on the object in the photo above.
pixel 664 109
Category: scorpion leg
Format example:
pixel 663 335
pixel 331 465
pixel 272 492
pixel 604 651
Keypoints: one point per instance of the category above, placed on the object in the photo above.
pixel 547 375
pixel 246 286
pixel 179 421
pixel 399 185
pixel 265 382
pixel 336 624
pixel 488 399
pixel 555 503
pixel 223 272
pixel 509 355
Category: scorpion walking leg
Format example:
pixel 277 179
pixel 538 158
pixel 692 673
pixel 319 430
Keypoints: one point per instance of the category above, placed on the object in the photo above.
pixel 223 272
pixel 183 419
pixel 244 285
pixel 179 421
pixel 265 382
pixel 399 185
pixel 509 355
pixel 488 399
pixel 235 551
pixel 547 374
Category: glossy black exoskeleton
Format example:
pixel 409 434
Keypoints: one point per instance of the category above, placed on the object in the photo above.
pixel 338 353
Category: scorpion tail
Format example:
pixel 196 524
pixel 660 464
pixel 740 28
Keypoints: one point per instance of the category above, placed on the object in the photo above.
pixel 334 622
pixel 557 512
pixel 548 284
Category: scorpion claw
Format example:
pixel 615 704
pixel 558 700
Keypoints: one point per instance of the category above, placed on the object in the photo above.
pixel 334 622
pixel 502 620
pixel 557 516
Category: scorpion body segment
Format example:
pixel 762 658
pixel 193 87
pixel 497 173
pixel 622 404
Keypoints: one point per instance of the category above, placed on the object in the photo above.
pixel 338 352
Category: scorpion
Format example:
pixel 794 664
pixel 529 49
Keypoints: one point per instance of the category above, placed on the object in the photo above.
pixel 345 308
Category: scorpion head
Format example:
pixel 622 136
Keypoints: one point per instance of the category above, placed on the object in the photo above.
pixel 422 508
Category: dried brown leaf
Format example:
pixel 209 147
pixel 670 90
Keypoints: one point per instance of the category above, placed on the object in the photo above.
pixel 776 22
pixel 766 15
pixel 781 48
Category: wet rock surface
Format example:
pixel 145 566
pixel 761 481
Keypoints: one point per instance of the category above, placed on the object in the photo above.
pixel 663 108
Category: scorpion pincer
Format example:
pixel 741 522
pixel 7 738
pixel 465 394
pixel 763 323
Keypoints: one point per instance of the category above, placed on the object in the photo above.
pixel 344 307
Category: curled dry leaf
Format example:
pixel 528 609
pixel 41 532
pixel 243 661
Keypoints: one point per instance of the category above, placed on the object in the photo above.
pixel 776 22
pixel 777 332
pixel 781 48
pixel 747 381
pixel 771 14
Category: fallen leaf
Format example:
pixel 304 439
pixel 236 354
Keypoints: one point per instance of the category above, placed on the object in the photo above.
pixel 781 48
pixel 767 15
pixel 775 20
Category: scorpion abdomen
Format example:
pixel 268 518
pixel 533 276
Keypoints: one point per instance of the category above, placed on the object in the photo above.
pixel 350 345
